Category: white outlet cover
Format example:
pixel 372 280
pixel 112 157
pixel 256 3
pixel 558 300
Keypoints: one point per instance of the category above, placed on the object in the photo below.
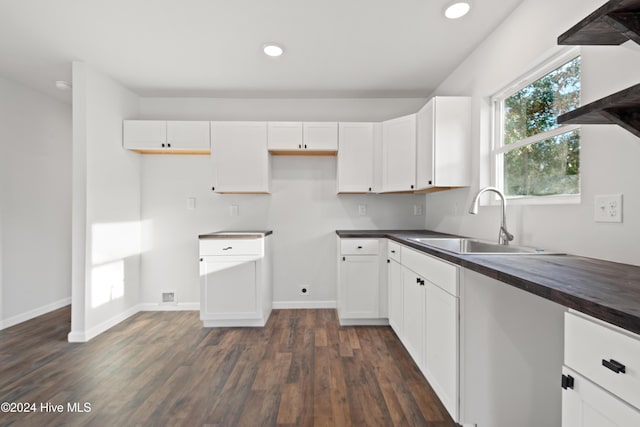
pixel 362 210
pixel 608 208
pixel 234 210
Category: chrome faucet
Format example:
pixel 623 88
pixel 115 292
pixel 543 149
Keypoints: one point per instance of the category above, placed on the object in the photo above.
pixel 504 237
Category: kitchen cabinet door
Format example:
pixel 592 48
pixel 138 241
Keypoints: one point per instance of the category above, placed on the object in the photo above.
pixel 229 289
pixel 443 143
pixel 355 158
pixel 240 157
pixel 359 287
pixel 441 345
pixel 188 135
pixel 584 404
pixel 395 297
pixel 413 315
pixel 320 136
pixel 284 136
pixel 399 154
pixel 144 134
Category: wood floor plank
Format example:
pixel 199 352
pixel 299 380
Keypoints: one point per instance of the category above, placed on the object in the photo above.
pixel 164 368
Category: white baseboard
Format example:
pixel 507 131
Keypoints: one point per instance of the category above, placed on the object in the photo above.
pixel 304 304
pixel 182 306
pixel 100 328
pixel 23 317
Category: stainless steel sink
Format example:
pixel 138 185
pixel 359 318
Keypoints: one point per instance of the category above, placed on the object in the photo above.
pixel 461 245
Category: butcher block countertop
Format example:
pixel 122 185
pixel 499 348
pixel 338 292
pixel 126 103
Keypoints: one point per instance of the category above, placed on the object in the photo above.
pixel 606 290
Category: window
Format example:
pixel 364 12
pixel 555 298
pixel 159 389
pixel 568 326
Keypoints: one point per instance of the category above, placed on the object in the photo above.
pixel 533 155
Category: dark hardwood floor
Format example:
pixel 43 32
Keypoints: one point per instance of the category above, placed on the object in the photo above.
pixel 163 368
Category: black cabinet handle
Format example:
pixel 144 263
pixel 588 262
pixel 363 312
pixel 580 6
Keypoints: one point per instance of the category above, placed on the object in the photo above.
pixel 299 145
pixel 213 188
pixel 412 186
pixel 417 280
pixel 359 247
pixel 162 145
pixel 369 188
pixel 388 261
pixel 567 381
pixel 430 182
pixel 227 248
pixel 201 259
pixel 393 252
pixel 343 258
pixel 169 145
pixel 615 366
pixel 305 145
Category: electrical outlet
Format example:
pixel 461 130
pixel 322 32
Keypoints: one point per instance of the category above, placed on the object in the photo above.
pixel 304 290
pixel 417 210
pixel 234 210
pixel 362 210
pixel 608 208
pixel 191 203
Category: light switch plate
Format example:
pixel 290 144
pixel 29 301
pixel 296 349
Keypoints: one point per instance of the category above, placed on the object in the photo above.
pixel 362 210
pixel 608 208
pixel 234 210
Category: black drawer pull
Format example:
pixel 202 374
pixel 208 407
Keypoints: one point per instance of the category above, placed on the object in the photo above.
pixel 359 247
pixel 567 381
pixel 393 252
pixel 616 367
pixel 227 248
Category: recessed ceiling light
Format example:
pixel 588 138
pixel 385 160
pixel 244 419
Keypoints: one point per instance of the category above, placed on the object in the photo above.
pixel 271 49
pixel 457 10
pixel 63 85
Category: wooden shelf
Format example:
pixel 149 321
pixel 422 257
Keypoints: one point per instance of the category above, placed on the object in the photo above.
pixel 621 108
pixel 612 24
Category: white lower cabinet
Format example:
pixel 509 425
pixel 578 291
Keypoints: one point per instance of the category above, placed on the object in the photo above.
pixel 601 376
pixel 361 286
pixel 413 315
pixel 585 404
pixel 396 296
pixel 235 282
pixel 441 345
pixel 430 321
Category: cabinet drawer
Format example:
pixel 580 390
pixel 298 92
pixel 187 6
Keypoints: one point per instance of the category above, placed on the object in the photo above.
pixel 440 273
pixel 231 246
pixel 590 345
pixel 393 251
pixel 358 246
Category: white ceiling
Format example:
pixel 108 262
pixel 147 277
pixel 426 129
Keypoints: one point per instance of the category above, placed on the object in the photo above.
pixel 333 48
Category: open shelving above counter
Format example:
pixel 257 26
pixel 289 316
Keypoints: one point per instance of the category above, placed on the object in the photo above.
pixel 612 24
pixel 621 108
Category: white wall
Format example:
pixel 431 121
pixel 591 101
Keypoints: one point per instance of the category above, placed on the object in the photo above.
pixel 303 209
pixel 35 203
pixel 609 155
pixel 106 206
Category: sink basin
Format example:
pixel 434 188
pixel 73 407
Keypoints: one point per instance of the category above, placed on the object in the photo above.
pixel 461 245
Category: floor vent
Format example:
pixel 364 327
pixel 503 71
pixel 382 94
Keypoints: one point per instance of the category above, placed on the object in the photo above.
pixel 168 297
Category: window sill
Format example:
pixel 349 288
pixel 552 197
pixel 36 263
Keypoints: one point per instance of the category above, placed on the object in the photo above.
pixel 573 199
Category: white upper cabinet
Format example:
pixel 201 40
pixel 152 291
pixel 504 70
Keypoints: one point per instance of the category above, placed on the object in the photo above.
pixel 302 138
pixel 320 136
pixel 285 136
pixel 240 157
pixel 188 135
pixel 166 137
pixel 356 157
pixel 443 143
pixel 399 154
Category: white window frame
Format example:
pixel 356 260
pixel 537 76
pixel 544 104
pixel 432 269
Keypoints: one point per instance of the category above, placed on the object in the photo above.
pixel 497 148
